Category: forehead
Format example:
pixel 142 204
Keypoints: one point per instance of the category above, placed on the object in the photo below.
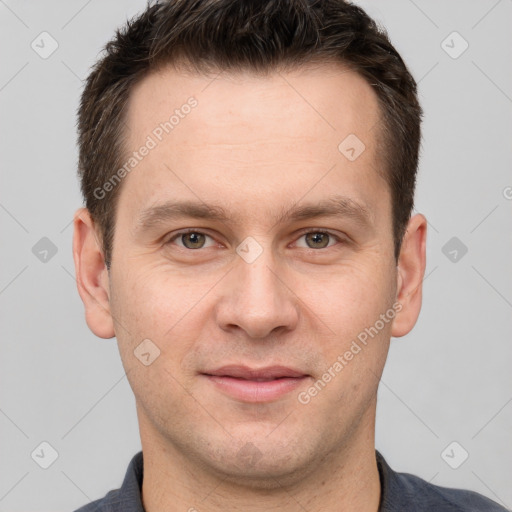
pixel 246 137
pixel 320 91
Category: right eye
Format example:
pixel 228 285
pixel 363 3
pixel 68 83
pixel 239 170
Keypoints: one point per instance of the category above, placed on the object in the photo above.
pixel 190 239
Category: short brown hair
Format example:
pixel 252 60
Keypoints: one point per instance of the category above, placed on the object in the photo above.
pixel 238 35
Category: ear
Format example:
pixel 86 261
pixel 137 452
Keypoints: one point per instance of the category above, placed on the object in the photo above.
pixel 91 275
pixel 410 272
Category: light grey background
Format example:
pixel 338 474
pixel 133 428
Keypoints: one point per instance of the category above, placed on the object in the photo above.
pixel 449 380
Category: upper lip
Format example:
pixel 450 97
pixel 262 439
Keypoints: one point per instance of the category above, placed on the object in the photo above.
pixel 244 372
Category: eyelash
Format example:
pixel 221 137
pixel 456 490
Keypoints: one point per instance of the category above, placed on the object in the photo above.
pixel 300 234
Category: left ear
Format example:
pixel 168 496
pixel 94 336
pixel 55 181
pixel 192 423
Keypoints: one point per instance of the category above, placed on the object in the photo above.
pixel 410 272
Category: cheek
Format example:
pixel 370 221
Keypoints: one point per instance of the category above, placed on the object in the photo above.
pixel 161 306
pixel 352 299
pixel 152 306
pixel 154 299
pixel 356 348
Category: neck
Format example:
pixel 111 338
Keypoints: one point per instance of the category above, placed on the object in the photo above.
pixel 348 479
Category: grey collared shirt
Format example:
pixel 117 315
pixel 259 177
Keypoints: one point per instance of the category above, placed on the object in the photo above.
pixel 399 492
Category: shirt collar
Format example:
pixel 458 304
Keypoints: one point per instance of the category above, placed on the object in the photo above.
pixel 129 497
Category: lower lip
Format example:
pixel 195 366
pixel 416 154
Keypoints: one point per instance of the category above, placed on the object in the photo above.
pixel 256 391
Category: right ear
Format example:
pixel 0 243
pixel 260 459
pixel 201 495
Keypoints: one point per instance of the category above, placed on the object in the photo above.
pixel 92 277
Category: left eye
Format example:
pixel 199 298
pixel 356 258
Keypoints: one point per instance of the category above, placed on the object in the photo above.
pixel 196 239
pixel 318 239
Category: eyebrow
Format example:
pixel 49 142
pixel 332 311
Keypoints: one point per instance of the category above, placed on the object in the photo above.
pixel 336 206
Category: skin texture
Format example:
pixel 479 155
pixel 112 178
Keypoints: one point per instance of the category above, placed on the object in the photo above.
pixel 258 146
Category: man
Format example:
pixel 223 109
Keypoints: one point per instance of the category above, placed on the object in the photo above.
pixel 248 171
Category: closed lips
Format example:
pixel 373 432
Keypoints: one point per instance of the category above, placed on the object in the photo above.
pixel 258 375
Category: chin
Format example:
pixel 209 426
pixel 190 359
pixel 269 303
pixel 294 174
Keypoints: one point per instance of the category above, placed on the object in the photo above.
pixel 262 460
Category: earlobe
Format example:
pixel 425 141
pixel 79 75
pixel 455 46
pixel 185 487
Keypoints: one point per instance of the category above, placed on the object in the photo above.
pixel 410 273
pixel 91 275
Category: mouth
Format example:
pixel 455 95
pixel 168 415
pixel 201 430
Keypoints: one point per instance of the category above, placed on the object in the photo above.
pixel 255 385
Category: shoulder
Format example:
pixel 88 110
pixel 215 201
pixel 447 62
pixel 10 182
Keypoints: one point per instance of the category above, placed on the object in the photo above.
pixel 102 504
pixel 125 499
pixel 435 497
pixel 404 491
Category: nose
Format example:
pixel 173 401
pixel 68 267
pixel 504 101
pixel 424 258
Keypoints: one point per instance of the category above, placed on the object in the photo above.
pixel 257 298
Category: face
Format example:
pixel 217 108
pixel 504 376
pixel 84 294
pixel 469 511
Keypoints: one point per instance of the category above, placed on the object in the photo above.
pixel 255 232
